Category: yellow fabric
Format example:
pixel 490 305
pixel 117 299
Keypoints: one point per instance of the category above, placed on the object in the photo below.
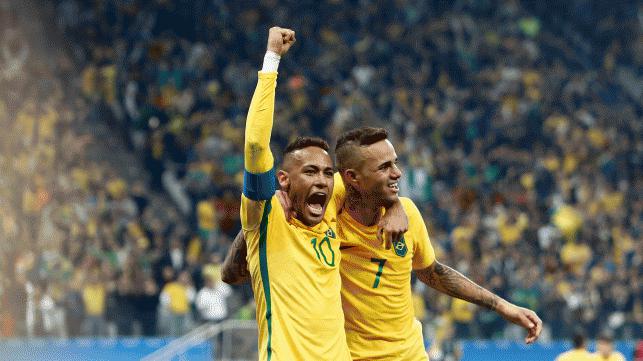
pixel 613 201
pixel 25 123
pixel 257 155
pixel 462 311
pixel 212 271
pixel 568 220
pixel 47 124
pixel 194 250
pixel 615 356
pixel 303 277
pixel 380 321
pixel 296 274
pixel 462 236
pixel 576 355
pixel 178 295
pixel 116 187
pixel 206 215
pixel 575 256
pixel 419 306
pixel 510 233
pixel 94 300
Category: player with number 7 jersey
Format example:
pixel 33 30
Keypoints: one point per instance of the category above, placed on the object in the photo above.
pixel 376 280
pixel 376 295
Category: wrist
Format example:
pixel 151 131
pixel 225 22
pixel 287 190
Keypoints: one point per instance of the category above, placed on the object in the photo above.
pixel 271 61
pixel 503 306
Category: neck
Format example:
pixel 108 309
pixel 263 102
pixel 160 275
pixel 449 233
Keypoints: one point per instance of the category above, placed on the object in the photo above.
pixel 364 213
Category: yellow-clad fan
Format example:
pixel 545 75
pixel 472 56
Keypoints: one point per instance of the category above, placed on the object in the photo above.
pixel 605 349
pixel 579 352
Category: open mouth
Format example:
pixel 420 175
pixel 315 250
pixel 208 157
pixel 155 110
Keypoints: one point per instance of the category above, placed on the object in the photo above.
pixel 315 203
pixel 394 187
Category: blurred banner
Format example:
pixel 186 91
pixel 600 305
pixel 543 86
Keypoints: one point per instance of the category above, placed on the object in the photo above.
pixel 135 348
pixel 82 349
pixel 509 351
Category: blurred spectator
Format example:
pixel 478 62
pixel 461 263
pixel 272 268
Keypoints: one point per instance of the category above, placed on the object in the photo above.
pixel 94 297
pixel 177 297
pixel 605 349
pixel 211 300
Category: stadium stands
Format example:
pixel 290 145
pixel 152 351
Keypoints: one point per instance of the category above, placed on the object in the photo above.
pixel 518 125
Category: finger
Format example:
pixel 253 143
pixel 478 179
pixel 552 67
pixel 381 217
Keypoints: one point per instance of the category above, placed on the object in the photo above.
pixel 380 232
pixel 539 324
pixel 535 329
pixel 388 237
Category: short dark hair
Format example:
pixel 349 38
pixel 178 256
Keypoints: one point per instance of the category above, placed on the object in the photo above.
pixel 364 136
pixel 578 340
pixel 305 142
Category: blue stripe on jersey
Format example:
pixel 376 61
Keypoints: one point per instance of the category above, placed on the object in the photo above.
pixel 259 187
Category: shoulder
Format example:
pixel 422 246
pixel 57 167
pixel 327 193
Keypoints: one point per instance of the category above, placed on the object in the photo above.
pixel 409 205
pixel 412 212
pixel 274 210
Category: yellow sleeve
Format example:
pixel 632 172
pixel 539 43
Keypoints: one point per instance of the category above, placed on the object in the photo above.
pixel 257 156
pixel 423 253
pixel 339 193
pixel 259 175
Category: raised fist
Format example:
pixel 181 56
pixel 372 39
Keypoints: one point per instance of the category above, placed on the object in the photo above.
pixel 280 40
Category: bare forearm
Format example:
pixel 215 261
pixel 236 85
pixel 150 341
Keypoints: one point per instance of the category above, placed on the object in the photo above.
pixel 235 266
pixel 453 283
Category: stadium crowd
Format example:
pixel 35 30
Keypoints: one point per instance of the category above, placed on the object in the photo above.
pixel 517 125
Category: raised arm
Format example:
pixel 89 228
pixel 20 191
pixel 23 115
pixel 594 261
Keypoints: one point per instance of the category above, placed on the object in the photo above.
pixel 235 266
pixel 451 282
pixel 259 178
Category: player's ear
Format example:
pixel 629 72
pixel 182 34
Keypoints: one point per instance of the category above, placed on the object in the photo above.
pixel 350 177
pixel 283 179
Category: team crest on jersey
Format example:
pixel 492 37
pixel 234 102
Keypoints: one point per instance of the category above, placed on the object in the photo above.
pixel 400 247
pixel 330 233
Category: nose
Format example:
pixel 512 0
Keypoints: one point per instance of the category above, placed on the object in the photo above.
pixel 320 181
pixel 396 172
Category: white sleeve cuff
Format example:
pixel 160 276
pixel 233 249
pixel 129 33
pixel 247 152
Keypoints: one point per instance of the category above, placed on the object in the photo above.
pixel 270 61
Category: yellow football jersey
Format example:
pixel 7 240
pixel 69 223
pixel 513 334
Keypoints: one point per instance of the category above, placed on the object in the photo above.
pixel 294 268
pixel 576 355
pixel 615 356
pixel 376 288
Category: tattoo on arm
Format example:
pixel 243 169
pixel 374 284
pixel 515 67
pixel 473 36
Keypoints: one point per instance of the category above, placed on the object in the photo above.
pixel 235 266
pixel 451 282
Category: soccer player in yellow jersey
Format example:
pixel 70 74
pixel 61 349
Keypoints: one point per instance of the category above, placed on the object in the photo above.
pixel 376 280
pixel 579 353
pixel 605 349
pixel 293 265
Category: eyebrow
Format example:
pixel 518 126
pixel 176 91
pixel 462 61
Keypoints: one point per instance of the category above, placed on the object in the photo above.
pixel 387 163
pixel 316 167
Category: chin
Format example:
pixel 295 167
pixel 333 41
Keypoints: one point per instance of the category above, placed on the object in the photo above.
pixel 387 201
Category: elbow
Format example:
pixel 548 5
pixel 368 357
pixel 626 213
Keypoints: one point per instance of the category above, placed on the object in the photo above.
pixel 228 278
pixel 231 278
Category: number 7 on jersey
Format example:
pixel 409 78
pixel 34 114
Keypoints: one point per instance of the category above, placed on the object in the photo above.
pixel 381 262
